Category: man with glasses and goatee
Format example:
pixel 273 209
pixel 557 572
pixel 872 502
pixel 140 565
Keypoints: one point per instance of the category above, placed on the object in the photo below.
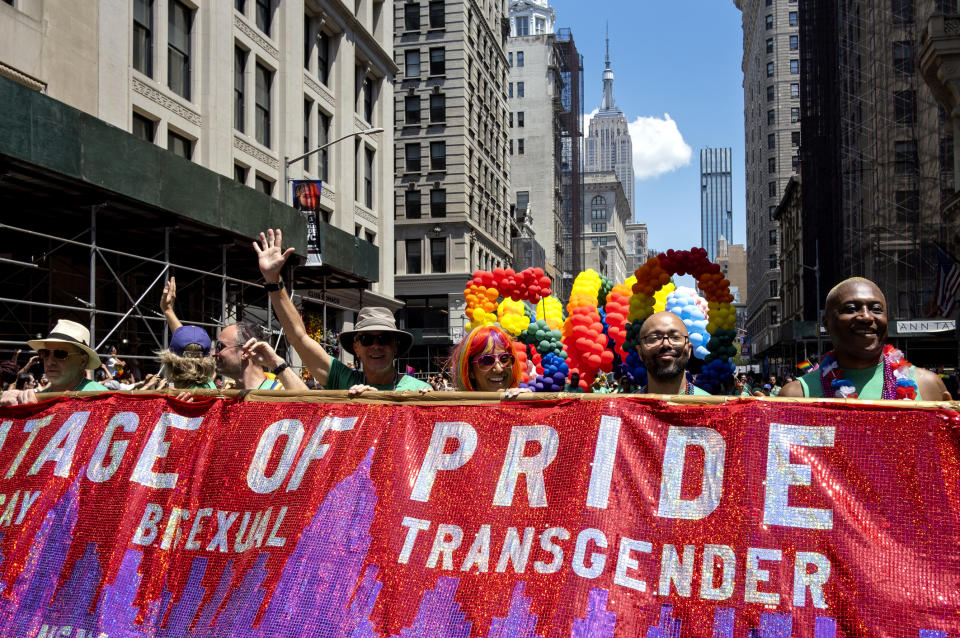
pixel 664 347
pixel 66 357
pixel 375 340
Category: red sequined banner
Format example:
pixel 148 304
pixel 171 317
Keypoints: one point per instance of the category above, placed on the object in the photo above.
pixel 143 516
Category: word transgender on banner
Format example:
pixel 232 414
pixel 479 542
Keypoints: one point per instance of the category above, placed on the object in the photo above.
pixel 133 515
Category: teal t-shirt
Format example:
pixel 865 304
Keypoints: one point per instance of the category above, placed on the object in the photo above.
pixel 209 385
pixel 341 377
pixel 867 381
pixel 86 385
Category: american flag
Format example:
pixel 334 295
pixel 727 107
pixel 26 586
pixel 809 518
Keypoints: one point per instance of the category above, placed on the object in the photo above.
pixel 948 282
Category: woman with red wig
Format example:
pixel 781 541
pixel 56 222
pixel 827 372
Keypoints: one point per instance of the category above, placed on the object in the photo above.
pixel 484 361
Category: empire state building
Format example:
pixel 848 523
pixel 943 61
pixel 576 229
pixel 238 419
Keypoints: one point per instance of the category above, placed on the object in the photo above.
pixel 608 146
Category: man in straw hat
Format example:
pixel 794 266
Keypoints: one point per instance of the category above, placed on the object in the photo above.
pixel 375 340
pixel 66 356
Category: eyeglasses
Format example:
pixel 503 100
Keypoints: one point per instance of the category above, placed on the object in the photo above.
pixel 486 361
pixel 219 346
pixel 654 339
pixel 384 339
pixel 57 354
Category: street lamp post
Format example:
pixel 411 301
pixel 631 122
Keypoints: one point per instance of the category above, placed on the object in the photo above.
pixel 816 269
pixel 287 162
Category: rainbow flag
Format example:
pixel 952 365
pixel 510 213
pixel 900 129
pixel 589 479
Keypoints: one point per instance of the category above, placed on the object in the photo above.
pixel 805 366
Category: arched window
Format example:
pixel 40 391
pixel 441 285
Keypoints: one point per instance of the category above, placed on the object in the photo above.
pixel 598 201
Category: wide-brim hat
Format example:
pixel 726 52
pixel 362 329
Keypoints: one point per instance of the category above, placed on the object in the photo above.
pixel 376 319
pixel 71 332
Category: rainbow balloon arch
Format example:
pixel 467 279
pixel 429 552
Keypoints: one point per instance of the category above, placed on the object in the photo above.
pixel 598 332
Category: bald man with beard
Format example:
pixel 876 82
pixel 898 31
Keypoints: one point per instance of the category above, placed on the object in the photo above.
pixel 665 349
pixel 856 318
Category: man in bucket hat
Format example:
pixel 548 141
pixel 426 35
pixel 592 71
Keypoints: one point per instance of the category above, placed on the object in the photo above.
pixel 375 340
pixel 66 356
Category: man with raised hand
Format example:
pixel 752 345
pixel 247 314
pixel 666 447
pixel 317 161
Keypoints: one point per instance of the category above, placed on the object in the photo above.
pixel 665 349
pixel 375 339
pixel 66 356
pixel 862 365
pixel 242 356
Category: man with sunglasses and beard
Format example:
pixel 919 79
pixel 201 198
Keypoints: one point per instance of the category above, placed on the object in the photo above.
pixel 664 347
pixel 375 340
pixel 66 357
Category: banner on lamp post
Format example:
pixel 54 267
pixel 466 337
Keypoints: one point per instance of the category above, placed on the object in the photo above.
pixel 306 199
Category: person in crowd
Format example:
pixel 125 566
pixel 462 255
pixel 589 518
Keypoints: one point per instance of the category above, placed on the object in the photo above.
pixel 767 390
pixel 66 356
pixel 25 381
pixel 860 364
pixel 241 355
pixel 484 361
pixel 775 385
pixel 665 349
pixel 188 362
pixel 112 364
pixel 375 340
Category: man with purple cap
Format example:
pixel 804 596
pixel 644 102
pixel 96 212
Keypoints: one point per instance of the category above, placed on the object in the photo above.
pixel 66 356
pixel 375 340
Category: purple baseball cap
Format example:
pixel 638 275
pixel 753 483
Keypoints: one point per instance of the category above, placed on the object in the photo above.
pixel 187 336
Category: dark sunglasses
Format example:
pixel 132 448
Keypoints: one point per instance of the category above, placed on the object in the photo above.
pixel 367 340
pixel 486 361
pixel 219 346
pixel 57 354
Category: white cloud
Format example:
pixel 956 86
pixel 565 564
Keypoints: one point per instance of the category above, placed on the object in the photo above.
pixel 658 146
pixel 586 121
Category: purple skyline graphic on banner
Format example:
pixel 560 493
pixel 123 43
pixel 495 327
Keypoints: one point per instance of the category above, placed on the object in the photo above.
pixel 324 590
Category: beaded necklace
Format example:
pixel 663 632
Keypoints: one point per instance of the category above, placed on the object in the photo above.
pixel 898 382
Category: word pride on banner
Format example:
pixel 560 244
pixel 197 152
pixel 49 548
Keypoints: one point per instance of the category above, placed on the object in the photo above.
pixel 128 515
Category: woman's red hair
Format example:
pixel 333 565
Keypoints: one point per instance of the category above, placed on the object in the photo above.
pixel 472 346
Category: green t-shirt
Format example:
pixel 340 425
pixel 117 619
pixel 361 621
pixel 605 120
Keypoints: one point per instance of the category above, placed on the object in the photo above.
pixel 867 381
pixel 341 377
pixel 209 385
pixel 86 385
pixel 697 391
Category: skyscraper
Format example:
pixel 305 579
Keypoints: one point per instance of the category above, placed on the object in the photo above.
pixel 716 198
pixel 608 146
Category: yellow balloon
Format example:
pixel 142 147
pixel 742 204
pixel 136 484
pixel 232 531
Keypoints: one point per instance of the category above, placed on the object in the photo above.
pixel 660 297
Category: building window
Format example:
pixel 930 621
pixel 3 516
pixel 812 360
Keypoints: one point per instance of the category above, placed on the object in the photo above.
pixel 179 145
pixel 263 185
pixel 795 162
pixel 180 26
pixel 368 99
pixel 240 173
pixel 795 138
pixel 768 3
pixel 411 16
pixel 772 189
pixel 412 63
pixel 772 141
pixel 794 90
pixel 143 36
pixel 905 107
pixel 768 22
pixel 598 213
pixel 794 67
pixel 541 25
pixel 771 94
pixel 903 57
pixel 323 57
pixel 598 227
pixel 307 116
pixel 773 237
pixel 771 117
pixel 520 119
pixel 792 19
pixel 794 42
pixel 902 11
pixel 523 201
pixel 523 25
pixel 438 254
pixel 510 60
pixel 905 157
pixel 510 89
pixel 772 211
pixel 438 16
pixel 769 45
pixel 413 257
pixel 264 86
pixel 794 114
pixel 519 58
pixel 519 89
pixel 510 143
pixel 438 107
pixel 411 204
pixel 774 316
pixel 412 158
pixel 438 64
pixel 369 156
pixel 240 6
pixel 411 109
pixel 770 69
pixel 323 137
pixel 771 165
pixel 239 85
pixel 774 289
pixel 143 127
pixel 264 16
pixel 438 156
pixel 520 146
pixel 772 261
pixel 438 202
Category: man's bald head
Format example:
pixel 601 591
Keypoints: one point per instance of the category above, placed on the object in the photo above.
pixel 836 293
pixel 663 322
pixel 856 319
pixel 667 355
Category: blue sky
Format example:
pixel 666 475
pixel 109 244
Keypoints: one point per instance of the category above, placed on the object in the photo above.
pixel 676 61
